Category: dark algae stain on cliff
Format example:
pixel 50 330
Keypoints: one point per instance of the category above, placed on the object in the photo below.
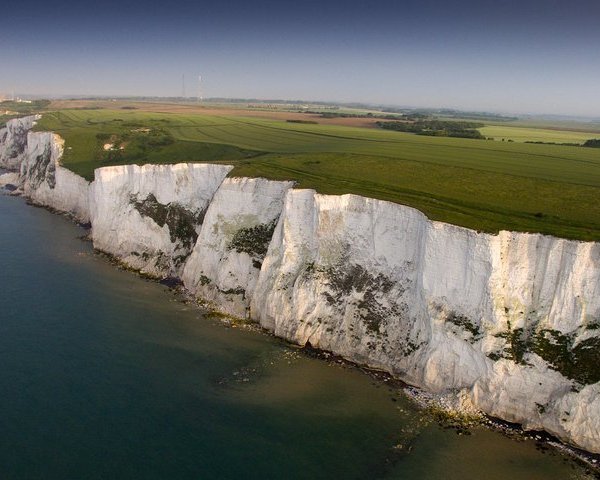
pixel 106 375
pixel 577 360
pixel 182 222
pixel 374 298
pixel 344 278
pixel 253 240
pixel 516 345
pixel 465 323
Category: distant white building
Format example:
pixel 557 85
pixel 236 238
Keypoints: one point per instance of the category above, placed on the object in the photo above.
pixel 11 98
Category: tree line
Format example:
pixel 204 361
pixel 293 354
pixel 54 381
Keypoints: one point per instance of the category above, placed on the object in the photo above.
pixel 436 128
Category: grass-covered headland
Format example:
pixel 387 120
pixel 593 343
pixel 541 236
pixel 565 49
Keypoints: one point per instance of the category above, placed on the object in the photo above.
pixel 10 109
pixel 484 185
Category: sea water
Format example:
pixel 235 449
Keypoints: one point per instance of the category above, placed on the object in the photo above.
pixel 104 375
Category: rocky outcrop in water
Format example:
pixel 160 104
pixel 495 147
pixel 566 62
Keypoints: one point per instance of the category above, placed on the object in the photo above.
pixel 510 322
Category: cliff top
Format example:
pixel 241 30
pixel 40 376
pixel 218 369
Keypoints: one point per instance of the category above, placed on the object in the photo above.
pixel 483 185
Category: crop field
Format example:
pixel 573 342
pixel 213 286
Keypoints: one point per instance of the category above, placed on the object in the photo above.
pixel 484 185
pixel 525 134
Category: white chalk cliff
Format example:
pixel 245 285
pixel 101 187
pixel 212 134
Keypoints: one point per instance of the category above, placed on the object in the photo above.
pixel 13 141
pixel 233 242
pixel 36 156
pixel 509 321
pixel 47 183
pixel 149 217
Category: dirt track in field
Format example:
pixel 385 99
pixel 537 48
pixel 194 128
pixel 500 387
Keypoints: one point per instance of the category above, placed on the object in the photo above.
pixel 213 110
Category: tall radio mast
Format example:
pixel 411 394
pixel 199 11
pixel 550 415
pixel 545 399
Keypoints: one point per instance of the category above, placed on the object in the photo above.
pixel 199 88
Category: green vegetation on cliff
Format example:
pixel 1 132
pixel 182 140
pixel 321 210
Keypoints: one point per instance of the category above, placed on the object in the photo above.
pixel 482 185
pixel 575 360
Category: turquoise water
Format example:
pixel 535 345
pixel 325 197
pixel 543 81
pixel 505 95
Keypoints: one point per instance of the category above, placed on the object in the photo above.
pixel 105 375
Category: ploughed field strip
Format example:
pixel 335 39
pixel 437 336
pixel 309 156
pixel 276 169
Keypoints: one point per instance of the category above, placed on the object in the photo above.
pixel 484 185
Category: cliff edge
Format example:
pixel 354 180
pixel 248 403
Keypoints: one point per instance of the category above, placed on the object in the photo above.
pixel 510 321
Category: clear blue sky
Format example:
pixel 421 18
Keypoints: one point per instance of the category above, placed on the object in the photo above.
pixel 504 55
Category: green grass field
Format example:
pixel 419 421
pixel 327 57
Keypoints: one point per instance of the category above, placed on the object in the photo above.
pixel 525 134
pixel 485 185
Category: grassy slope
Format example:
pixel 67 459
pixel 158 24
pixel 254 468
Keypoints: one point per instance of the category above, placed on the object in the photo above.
pixel 478 184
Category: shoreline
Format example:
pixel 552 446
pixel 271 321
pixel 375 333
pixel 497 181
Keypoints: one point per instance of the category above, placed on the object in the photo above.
pixel 439 408
pixel 436 406
pixel 447 309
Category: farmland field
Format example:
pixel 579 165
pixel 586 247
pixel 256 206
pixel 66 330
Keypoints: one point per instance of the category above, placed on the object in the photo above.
pixel 485 185
pixel 525 134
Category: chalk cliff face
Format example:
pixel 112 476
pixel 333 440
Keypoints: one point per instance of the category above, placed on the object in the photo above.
pixel 36 156
pixel 149 217
pixel 233 242
pixel 511 319
pixel 47 183
pixel 342 274
pixel 13 141
pixel 510 322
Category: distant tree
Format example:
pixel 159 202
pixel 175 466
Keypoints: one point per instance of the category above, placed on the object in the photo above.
pixel 594 143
